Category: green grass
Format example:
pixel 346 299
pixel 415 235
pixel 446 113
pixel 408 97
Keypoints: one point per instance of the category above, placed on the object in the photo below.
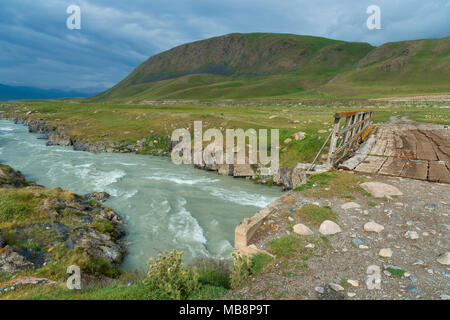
pixel 287 246
pixel 372 204
pixel 315 215
pixel 396 272
pixel 339 184
pixel 213 272
pixel 139 291
pixel 259 262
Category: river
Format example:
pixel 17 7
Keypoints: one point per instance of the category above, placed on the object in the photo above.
pixel 164 206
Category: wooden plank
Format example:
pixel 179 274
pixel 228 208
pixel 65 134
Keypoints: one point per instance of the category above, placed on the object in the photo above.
pixel 371 164
pixel 380 145
pixel 425 149
pixel 390 145
pixel 438 172
pixel 441 145
pixel 393 166
pixel 415 169
pixel 398 144
pixel 409 145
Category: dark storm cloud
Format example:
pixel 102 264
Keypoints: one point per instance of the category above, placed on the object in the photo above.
pixel 38 50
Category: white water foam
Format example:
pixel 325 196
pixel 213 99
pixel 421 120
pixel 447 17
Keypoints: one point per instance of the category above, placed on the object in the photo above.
pixel 185 226
pixel 183 180
pixel 240 197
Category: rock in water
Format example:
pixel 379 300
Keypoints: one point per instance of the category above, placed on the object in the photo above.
pixel 329 227
pixel 385 253
pixel 99 196
pixel 380 190
pixel 373 227
pixel 444 259
pixel 303 230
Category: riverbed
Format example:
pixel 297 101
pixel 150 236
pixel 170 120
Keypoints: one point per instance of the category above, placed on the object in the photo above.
pixel 164 206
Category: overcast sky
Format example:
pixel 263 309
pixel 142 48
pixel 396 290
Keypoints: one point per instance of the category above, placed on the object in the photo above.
pixel 37 49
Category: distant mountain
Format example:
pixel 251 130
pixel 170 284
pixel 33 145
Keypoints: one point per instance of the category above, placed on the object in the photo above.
pixel 21 93
pixel 261 65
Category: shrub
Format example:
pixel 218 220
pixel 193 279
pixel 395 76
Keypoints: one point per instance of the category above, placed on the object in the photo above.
pixel 240 270
pixel 213 272
pixel 170 278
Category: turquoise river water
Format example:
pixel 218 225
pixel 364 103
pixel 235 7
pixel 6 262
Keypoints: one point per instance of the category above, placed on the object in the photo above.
pixel 165 206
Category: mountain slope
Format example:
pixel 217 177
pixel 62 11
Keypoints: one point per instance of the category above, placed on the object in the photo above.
pixel 421 66
pixel 261 65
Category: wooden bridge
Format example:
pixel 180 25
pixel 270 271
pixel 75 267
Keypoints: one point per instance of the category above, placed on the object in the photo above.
pixel 401 148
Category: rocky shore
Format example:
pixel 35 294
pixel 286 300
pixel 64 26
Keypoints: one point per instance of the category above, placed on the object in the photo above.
pixel 43 231
pixel 287 177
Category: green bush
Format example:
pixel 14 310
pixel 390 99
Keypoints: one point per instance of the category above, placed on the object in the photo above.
pixel 169 276
pixel 240 270
pixel 213 272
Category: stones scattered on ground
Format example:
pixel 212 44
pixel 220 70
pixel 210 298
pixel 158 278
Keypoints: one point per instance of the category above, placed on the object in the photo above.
pixel 327 293
pixel 299 135
pixel 380 190
pixel 431 206
pixel 310 246
pixel 373 227
pixel 413 235
pixel 418 262
pixel 336 287
pixel 353 283
pixel 288 140
pixel 12 261
pixel 329 227
pixel 303 230
pixel 99 196
pixel 26 280
pixel 444 259
pixel 350 205
pixel 385 253
pixel 322 131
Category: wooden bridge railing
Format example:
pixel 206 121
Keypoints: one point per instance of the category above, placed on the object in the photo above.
pixel 350 129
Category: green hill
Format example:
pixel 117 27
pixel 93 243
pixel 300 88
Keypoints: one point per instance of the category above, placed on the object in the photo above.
pixel 263 65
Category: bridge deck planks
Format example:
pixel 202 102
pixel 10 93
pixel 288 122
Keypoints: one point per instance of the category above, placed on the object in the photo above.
pixel 438 172
pixel 424 147
pixel 415 169
pixel 393 166
pixel 371 164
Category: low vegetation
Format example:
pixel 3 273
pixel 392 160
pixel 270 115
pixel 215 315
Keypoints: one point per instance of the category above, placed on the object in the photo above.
pixel 315 215
pixel 339 184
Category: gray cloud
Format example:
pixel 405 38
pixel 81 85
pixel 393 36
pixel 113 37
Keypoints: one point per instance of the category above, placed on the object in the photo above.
pixel 38 50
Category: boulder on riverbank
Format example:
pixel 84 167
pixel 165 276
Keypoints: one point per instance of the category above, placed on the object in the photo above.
pixel 12 179
pixel 49 229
